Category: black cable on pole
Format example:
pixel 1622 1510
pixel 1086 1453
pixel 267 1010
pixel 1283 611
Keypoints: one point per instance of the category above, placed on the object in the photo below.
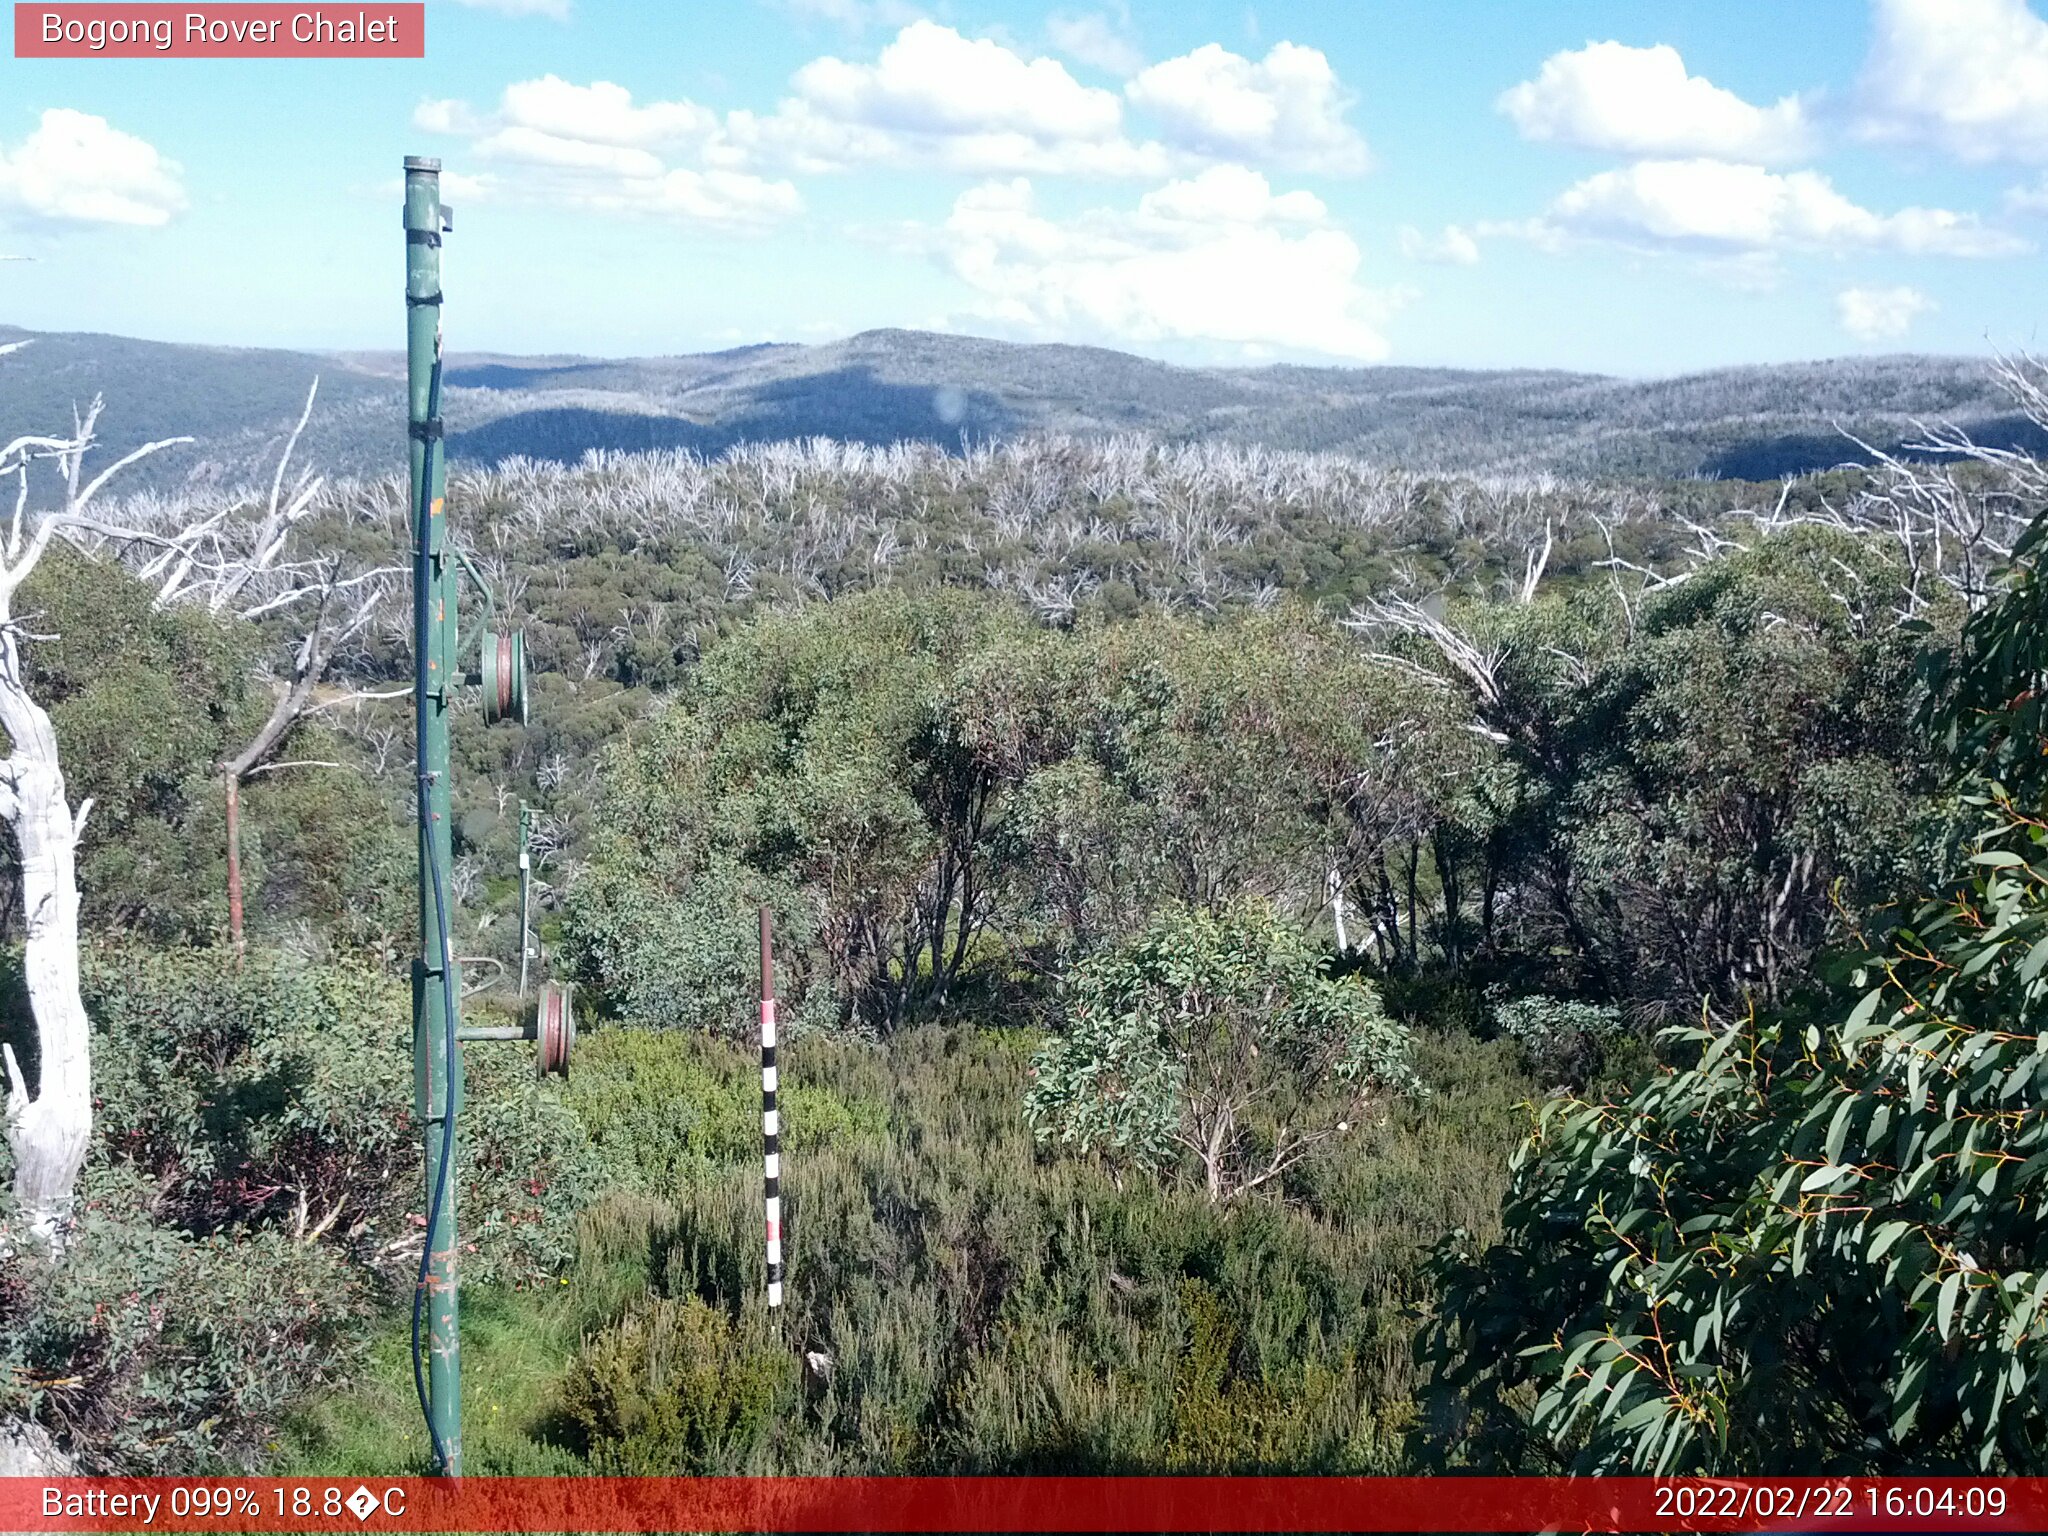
pixel 423 575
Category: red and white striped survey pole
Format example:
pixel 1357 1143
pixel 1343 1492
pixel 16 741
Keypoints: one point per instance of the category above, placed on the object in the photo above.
pixel 771 1124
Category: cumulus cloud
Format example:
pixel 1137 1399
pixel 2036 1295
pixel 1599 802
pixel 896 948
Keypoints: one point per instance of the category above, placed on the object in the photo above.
pixel 1712 205
pixel 1455 247
pixel 935 97
pixel 932 80
pixel 1641 101
pixel 1879 314
pixel 931 98
pixel 602 113
pixel 1967 76
pixel 1285 111
pixel 1216 257
pixel 558 9
pixel 593 146
pixel 1098 41
pixel 77 168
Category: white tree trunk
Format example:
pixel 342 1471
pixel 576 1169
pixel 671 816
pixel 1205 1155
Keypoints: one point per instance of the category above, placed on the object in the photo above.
pixel 49 1131
pixel 48 1134
pixel 26 1450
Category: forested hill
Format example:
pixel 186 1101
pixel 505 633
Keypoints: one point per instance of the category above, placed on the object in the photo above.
pixel 886 386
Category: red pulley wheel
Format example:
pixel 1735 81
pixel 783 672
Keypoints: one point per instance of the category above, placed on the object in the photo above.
pixel 554 1030
pixel 503 663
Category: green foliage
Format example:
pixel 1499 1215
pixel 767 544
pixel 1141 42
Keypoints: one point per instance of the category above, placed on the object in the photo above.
pixel 1210 761
pixel 675 1388
pixel 150 1350
pixel 1694 795
pixel 1226 1411
pixel 143 702
pixel 986 1309
pixel 1564 1041
pixel 1146 765
pixel 517 1349
pixel 275 1094
pixel 664 1108
pixel 690 961
pixel 253 1193
pixel 1217 1042
pixel 981 1308
pixel 146 703
pixel 1818 1247
pixel 254 1095
pixel 1751 758
pixel 941 797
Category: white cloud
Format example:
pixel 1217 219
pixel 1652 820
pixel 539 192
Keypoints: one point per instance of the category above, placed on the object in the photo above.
pixel 801 138
pixel 530 146
pixel 76 168
pixel 602 113
pixel 932 98
pixel 592 146
pixel 1455 247
pixel 1641 101
pixel 1877 314
pixel 1968 76
pixel 936 98
pixel 728 198
pixel 1714 205
pixel 1096 40
pixel 558 9
pixel 459 188
pixel 2033 199
pixel 1215 258
pixel 1285 111
pixel 444 115
pixel 931 80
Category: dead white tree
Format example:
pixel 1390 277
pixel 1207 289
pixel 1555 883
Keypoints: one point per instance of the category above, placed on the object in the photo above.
pixel 1478 662
pixel 49 1125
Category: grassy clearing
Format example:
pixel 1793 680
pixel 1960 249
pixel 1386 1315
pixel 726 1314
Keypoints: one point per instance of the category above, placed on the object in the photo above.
pixel 984 1306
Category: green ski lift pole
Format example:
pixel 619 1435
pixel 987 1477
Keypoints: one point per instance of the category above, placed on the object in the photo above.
pixel 437 991
pixel 437 1033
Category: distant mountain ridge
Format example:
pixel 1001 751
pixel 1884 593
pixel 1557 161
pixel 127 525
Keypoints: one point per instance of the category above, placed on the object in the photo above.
pixel 890 385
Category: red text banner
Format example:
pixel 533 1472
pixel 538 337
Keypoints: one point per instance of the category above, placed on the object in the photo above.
pixel 221 31
pixel 1025 1504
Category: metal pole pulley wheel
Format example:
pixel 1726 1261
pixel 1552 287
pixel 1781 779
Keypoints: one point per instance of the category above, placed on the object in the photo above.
pixel 554 1029
pixel 503 666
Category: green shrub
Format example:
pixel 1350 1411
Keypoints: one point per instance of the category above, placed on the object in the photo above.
pixel 276 1094
pixel 665 1107
pixel 153 1351
pixel 675 1388
pixel 1816 1246
pixel 1563 1041
pixel 1218 1042
pixel 984 1308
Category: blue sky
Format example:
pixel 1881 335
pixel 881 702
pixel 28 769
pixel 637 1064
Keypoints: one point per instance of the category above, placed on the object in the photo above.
pixel 1640 188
